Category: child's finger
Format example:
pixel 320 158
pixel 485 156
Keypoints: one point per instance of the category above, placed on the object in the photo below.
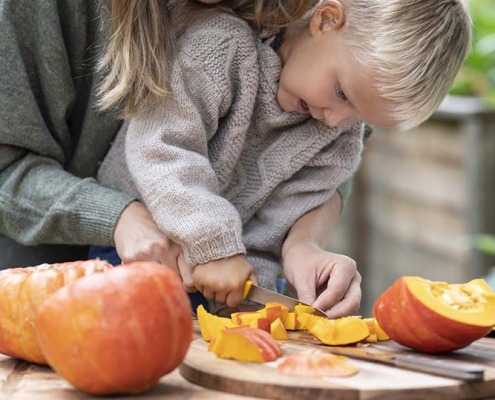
pixel 252 278
pixel 234 298
pixel 221 297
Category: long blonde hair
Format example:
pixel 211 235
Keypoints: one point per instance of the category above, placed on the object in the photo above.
pixel 134 64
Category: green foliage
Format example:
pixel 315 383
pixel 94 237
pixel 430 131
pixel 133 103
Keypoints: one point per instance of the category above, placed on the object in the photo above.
pixel 477 76
pixel 485 243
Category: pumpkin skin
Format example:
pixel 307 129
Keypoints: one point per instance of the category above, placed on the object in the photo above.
pixel 117 332
pixel 435 317
pixel 22 291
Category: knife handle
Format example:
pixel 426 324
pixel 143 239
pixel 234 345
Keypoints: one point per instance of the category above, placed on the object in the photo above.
pixel 247 288
pixel 448 368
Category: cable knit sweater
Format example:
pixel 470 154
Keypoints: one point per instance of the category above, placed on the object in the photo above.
pixel 223 169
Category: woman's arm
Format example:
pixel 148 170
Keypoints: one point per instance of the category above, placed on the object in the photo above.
pixel 51 139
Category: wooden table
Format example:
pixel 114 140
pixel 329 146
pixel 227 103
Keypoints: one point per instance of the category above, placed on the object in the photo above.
pixel 22 380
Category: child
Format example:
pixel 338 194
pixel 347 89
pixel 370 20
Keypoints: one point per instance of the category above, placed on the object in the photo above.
pixel 261 128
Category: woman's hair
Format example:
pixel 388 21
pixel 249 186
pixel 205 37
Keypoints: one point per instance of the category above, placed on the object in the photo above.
pixel 414 49
pixel 135 61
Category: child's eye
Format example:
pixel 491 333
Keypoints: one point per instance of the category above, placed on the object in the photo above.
pixel 340 93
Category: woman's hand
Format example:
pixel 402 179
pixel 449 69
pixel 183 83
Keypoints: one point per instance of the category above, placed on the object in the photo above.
pixel 329 281
pixel 138 238
pixel 223 280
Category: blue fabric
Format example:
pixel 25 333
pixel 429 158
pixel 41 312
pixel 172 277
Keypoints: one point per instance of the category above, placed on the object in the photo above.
pixel 109 254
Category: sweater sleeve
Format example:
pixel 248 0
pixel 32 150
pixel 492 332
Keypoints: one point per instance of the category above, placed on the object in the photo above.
pixel 43 47
pixel 310 187
pixel 167 151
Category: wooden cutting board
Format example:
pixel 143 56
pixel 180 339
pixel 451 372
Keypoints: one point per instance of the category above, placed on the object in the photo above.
pixel 373 381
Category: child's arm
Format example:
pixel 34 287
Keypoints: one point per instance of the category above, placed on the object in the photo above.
pixel 168 151
pixel 223 280
pixel 330 281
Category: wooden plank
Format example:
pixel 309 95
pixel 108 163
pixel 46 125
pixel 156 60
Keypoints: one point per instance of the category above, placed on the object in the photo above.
pixel 440 141
pixel 416 178
pixel 424 228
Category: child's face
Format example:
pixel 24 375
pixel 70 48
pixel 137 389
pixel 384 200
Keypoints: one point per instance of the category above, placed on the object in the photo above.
pixel 321 77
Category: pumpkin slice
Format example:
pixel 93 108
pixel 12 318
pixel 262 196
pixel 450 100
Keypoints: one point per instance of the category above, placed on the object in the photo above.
pixel 210 324
pixel 340 331
pixel 316 365
pixel 246 344
pixel 278 331
pixel 435 317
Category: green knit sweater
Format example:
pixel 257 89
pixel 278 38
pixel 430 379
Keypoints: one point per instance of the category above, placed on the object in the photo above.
pixel 51 138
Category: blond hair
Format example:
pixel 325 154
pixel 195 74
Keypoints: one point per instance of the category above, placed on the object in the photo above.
pixel 134 64
pixel 414 49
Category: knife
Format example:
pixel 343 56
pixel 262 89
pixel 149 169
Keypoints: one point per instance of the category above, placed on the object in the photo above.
pixel 447 368
pixel 262 296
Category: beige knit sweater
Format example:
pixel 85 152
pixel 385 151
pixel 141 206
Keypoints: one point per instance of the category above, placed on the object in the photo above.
pixel 222 168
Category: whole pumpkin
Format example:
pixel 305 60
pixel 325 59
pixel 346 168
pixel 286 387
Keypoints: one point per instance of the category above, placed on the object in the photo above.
pixel 22 290
pixel 435 317
pixel 117 332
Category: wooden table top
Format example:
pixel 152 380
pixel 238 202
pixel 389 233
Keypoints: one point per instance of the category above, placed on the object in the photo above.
pixel 26 381
pixel 22 380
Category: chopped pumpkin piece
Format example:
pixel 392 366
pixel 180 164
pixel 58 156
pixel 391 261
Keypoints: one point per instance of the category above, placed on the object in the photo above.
pixel 246 344
pixel 290 321
pixel 376 332
pixel 302 309
pixel 316 365
pixel 210 324
pixel 273 310
pixel 261 323
pixel 278 331
pixel 335 332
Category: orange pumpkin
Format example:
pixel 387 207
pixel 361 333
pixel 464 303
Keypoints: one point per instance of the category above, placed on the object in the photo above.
pixel 117 332
pixel 435 317
pixel 22 290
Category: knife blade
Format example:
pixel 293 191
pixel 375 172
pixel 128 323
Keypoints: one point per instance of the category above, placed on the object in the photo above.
pixel 262 296
pixel 447 368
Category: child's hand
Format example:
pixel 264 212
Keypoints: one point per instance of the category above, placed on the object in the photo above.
pixel 223 280
pixel 327 280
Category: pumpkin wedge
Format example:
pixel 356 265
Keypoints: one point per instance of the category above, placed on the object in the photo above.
pixel 435 317
pixel 244 343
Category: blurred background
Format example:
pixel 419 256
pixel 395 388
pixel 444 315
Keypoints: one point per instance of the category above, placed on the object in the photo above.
pixel 423 202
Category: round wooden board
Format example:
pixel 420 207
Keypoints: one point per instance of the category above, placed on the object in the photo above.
pixel 373 381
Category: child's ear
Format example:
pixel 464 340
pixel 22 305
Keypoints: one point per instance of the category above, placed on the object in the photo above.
pixel 328 16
